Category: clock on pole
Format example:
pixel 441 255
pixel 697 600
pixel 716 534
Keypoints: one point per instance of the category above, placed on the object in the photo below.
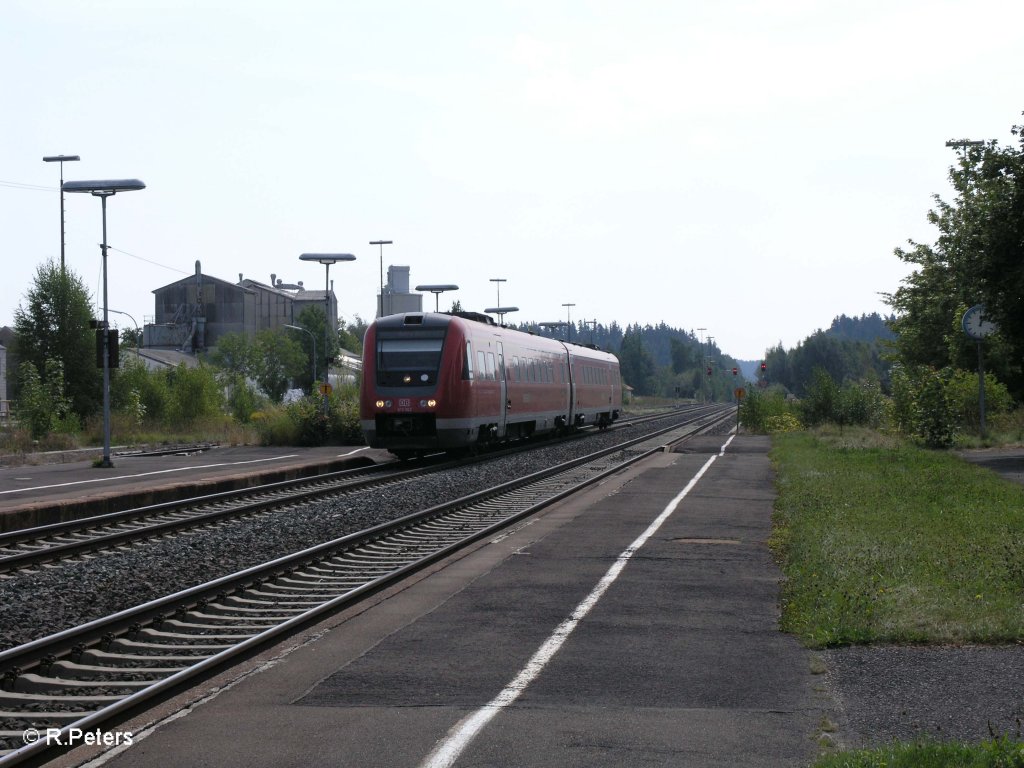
pixel 977 326
pixel 975 323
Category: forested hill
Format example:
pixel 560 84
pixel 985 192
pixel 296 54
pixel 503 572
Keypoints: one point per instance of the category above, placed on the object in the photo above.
pixel 656 359
pixel 868 328
pixel 852 349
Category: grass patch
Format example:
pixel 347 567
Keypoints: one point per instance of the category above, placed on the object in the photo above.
pixel 881 541
pixel 1001 753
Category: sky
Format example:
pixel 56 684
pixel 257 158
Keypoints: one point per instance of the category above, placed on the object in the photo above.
pixel 741 166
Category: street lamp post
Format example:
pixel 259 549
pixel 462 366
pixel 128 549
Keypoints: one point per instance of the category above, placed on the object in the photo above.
pixel 327 259
pixel 61 159
pixel 568 318
pixel 437 290
pixel 500 312
pixel 104 189
pixel 312 382
pixel 497 284
pixel 381 243
pixel 703 363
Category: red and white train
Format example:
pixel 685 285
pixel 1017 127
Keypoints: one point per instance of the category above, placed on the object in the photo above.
pixel 436 381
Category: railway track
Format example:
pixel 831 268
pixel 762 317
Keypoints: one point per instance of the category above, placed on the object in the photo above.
pixel 32 547
pixel 80 679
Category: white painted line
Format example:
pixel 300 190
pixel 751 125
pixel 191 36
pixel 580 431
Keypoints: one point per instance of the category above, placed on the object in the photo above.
pixel 146 474
pixel 462 733
pixel 352 453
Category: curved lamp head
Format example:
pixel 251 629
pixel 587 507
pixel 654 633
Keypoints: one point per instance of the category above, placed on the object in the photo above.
pixel 103 187
pixel 327 258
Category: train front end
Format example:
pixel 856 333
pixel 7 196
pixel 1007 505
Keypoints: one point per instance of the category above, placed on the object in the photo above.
pixel 412 371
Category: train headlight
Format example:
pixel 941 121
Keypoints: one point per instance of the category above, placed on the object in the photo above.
pixel 407 379
pixel 431 403
pixel 380 403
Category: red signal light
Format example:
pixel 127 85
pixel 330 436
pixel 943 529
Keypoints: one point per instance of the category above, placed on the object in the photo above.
pixel 735 371
pixel 764 366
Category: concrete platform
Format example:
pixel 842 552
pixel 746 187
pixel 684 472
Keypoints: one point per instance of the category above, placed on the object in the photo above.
pixel 677 662
pixel 50 493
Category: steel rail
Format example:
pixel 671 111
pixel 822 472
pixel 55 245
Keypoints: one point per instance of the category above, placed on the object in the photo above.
pixel 44 544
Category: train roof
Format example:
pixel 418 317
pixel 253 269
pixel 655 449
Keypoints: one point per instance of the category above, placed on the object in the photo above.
pixel 427 320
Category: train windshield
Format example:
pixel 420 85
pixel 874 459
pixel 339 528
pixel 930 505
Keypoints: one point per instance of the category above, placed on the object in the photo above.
pixel 409 360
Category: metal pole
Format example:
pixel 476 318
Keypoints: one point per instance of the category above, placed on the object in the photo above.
pixel 981 390
pixel 106 462
pixel 61 216
pixel 381 243
pixel 327 330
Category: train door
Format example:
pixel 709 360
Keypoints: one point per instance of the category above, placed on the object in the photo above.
pixel 503 409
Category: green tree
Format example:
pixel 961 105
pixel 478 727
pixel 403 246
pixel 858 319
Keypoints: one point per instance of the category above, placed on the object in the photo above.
pixel 978 257
pixel 43 406
pixel 278 360
pixel 636 364
pixel 195 394
pixel 139 391
pixel 312 318
pixel 682 355
pixel 235 354
pixel 53 327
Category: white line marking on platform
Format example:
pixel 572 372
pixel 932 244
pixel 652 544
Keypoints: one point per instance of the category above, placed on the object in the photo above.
pixel 350 453
pixel 145 474
pixel 462 733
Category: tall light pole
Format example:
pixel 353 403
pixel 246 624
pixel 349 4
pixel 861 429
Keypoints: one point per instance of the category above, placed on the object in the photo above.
pixel 497 283
pixel 327 259
pixel 437 290
pixel 703 363
pixel 61 159
pixel 381 243
pixel 568 318
pixel 711 387
pixel 104 189
pixel 964 144
pixel 312 382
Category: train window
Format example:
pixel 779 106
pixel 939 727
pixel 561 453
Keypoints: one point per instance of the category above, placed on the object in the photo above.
pixel 515 368
pixel 481 366
pixel 467 363
pixel 533 371
pixel 490 366
pixel 411 361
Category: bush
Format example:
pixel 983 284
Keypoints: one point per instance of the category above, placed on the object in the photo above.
pixel 303 422
pixel 43 406
pixel 195 394
pixel 962 394
pixel 766 412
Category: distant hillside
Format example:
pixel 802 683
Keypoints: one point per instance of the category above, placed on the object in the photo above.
pixel 864 328
pixel 850 350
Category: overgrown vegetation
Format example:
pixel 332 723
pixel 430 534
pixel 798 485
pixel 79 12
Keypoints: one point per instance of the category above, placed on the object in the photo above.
pixel 999 753
pixel 882 541
pixel 934 408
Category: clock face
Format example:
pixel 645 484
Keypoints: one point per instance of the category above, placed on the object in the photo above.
pixel 975 323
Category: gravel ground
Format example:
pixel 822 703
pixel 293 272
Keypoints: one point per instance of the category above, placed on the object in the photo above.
pixel 34 605
pixel 943 693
